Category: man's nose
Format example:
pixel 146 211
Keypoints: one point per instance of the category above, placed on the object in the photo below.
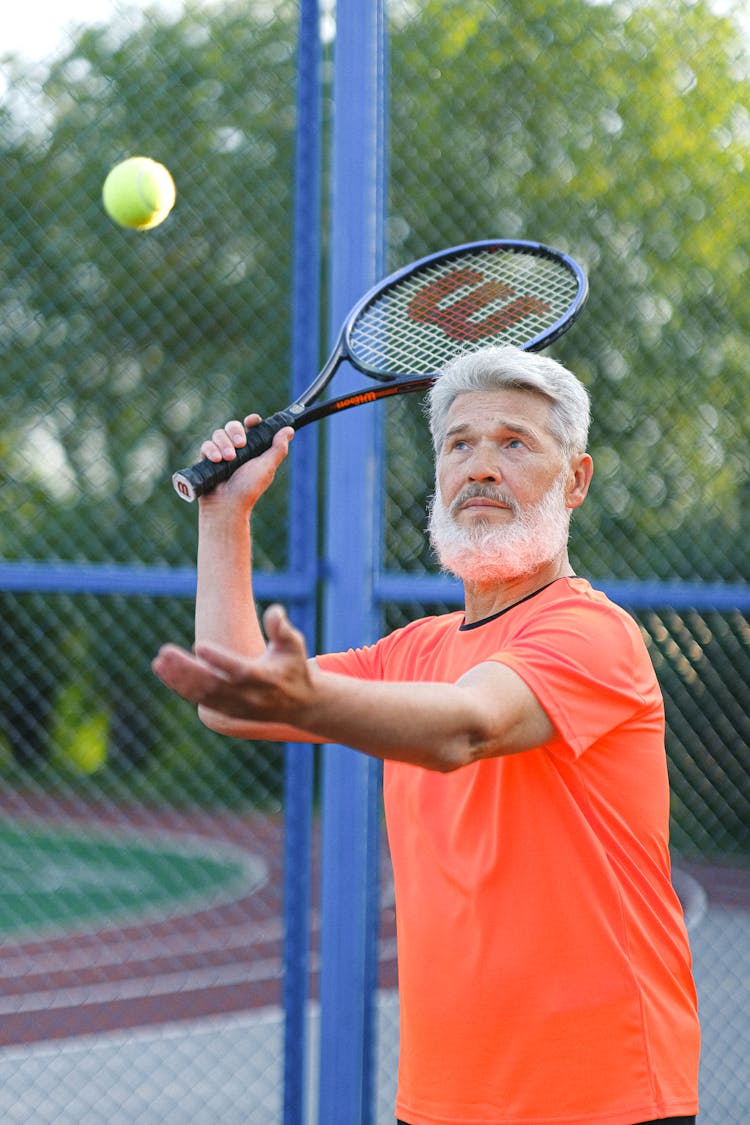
pixel 484 466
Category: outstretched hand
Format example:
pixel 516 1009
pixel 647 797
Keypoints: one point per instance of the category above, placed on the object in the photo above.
pixel 275 687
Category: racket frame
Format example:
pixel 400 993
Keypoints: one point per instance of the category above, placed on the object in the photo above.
pixel 302 411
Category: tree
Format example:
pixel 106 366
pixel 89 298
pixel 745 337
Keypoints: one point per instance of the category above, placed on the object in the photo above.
pixel 122 346
pixel 620 133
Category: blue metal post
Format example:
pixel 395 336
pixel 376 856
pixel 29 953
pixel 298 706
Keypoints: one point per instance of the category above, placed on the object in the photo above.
pixel 349 887
pixel 298 777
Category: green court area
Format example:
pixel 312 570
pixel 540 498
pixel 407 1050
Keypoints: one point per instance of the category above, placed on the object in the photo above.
pixel 54 879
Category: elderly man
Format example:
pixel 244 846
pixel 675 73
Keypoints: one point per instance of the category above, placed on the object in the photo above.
pixel 544 967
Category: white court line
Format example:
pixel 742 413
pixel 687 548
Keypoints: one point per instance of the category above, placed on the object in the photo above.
pixel 121 949
pixel 692 896
pixel 136 988
pixel 225 1068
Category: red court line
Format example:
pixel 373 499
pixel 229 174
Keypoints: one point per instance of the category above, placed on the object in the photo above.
pixel 217 960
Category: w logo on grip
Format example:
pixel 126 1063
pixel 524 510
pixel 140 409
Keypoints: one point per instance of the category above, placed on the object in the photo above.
pixel 456 317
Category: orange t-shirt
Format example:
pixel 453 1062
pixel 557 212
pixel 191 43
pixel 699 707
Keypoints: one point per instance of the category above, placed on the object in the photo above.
pixel 544 968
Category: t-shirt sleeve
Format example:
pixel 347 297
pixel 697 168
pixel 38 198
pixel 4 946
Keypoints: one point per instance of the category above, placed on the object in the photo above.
pixel 356 662
pixel 359 663
pixel 369 662
pixel 588 666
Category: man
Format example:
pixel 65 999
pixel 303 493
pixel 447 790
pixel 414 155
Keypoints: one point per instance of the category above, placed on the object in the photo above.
pixel 544 968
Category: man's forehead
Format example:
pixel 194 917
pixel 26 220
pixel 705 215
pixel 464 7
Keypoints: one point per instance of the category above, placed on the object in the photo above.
pixel 523 404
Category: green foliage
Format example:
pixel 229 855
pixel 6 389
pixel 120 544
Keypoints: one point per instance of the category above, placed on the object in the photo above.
pixel 124 348
pixel 619 133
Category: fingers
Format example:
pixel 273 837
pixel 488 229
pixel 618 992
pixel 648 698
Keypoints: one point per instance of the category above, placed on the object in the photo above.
pixel 177 669
pixel 224 443
pixel 206 676
pixel 281 633
pixel 283 639
pixel 275 685
pixel 275 620
pixel 221 660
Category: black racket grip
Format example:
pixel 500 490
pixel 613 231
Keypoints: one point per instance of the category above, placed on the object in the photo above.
pixel 205 475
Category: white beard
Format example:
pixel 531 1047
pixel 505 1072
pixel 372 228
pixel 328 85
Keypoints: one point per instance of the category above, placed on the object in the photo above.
pixel 484 553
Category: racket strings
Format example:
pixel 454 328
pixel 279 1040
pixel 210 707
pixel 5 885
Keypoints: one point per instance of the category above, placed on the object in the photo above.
pixel 458 304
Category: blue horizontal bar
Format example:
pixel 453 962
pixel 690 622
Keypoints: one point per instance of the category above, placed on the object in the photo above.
pixel 717 597
pixel 147 581
pixel 154 581
pixel 392 586
pixel 648 594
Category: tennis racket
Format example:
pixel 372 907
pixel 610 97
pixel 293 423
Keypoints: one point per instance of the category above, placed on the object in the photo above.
pixel 403 332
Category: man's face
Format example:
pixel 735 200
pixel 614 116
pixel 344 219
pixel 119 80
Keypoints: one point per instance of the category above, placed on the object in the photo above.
pixel 501 506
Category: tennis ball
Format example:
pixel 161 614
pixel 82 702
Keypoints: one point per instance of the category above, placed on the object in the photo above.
pixel 138 193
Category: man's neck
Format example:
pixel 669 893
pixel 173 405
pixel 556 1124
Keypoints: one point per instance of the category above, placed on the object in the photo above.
pixel 485 601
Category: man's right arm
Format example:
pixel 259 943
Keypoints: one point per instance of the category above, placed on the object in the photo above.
pixel 225 611
pixel 224 605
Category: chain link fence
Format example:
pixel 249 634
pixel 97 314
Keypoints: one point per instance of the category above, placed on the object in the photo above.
pixel 142 854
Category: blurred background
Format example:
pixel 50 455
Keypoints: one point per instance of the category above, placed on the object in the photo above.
pixel 618 132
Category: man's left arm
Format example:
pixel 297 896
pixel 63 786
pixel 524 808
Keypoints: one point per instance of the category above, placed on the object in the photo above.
pixel 488 712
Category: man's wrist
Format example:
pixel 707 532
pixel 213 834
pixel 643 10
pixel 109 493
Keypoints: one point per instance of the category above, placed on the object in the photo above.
pixel 220 512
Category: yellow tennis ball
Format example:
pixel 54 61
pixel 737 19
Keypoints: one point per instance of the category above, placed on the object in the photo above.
pixel 138 193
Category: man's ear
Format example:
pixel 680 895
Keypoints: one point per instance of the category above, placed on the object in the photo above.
pixel 579 479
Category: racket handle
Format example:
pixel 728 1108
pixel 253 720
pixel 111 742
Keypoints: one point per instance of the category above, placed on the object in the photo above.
pixel 205 475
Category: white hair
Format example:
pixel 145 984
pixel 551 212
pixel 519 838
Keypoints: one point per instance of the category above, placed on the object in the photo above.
pixel 509 368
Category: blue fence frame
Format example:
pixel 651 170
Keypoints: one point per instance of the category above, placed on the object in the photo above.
pixel 303 530
pixel 351 782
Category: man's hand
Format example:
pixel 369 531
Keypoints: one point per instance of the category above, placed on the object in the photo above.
pixel 253 478
pixel 275 687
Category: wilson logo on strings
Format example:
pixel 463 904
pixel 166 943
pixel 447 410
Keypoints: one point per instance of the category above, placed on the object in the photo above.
pixel 456 318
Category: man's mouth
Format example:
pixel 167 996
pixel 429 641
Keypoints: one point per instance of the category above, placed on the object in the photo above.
pixel 481 499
